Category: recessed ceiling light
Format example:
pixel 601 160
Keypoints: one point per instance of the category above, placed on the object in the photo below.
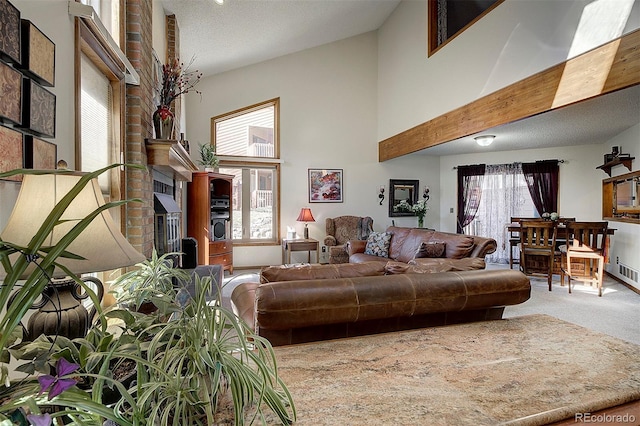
pixel 220 2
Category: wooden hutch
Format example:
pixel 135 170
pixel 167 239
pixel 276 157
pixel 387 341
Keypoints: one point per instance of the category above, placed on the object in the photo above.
pixel 209 216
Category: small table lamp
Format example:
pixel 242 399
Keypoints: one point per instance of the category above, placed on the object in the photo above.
pixel 99 247
pixel 306 217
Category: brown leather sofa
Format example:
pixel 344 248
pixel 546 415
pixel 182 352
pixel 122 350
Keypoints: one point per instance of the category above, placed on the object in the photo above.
pixel 461 252
pixel 318 302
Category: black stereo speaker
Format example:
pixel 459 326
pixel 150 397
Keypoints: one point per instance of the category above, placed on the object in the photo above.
pixel 219 229
pixel 190 253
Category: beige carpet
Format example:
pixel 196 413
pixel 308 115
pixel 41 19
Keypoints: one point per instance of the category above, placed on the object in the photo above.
pixel 527 370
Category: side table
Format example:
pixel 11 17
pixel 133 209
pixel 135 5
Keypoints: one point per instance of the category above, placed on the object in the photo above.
pixel 308 245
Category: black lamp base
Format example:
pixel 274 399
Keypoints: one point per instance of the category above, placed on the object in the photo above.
pixel 61 311
pixel 306 232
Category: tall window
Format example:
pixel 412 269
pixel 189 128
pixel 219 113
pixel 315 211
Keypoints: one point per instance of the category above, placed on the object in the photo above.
pixel 247 143
pixel 99 111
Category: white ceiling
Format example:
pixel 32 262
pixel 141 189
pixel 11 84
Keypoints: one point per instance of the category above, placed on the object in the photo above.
pixel 244 32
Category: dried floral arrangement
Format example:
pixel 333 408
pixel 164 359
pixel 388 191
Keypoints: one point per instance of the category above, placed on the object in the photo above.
pixel 177 79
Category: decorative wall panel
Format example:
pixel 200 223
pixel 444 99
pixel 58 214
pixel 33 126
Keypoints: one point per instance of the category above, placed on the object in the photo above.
pixel 10 94
pixel 38 54
pixel 39 154
pixel 11 151
pixel 9 32
pixel 39 109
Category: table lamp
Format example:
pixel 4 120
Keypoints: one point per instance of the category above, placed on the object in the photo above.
pixel 306 217
pixel 99 247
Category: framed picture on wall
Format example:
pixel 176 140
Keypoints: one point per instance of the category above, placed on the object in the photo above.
pixel 325 186
pixel 10 49
pixel 11 151
pixel 11 90
pixel 38 109
pixel 38 54
pixel 39 154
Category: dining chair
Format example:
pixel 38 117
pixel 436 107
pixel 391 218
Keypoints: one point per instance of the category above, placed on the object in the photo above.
pixel 583 256
pixel 538 248
pixel 514 238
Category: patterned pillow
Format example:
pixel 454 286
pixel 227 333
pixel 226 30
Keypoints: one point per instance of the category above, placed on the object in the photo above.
pixel 378 244
pixel 430 249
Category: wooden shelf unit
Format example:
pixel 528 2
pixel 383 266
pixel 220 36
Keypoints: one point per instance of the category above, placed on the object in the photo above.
pixel 209 217
pixel 625 161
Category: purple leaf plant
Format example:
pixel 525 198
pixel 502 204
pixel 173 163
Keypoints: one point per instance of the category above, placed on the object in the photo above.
pixel 57 384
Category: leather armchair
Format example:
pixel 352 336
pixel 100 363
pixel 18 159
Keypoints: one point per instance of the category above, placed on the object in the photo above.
pixel 340 230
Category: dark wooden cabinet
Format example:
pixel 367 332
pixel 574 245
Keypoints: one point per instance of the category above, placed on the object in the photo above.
pixel 209 216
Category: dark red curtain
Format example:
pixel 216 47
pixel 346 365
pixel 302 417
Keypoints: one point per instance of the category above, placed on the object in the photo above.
pixel 469 193
pixel 542 180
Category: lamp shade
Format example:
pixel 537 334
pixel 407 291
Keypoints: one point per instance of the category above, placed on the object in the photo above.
pixel 305 215
pixel 101 245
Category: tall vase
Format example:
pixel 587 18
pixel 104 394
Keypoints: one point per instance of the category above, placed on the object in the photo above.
pixel 420 221
pixel 163 122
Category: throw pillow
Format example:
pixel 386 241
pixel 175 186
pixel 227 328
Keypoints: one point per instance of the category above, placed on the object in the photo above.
pixel 430 249
pixel 378 244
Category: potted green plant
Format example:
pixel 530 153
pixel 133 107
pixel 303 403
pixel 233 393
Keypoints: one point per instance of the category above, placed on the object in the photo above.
pixel 24 398
pixel 208 157
pixel 185 368
pixel 208 367
pixel 151 285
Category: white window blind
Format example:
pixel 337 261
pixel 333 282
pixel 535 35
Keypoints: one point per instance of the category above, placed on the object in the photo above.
pixel 96 132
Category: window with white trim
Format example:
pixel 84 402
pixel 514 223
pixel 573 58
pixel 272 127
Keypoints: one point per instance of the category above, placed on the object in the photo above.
pixel 246 140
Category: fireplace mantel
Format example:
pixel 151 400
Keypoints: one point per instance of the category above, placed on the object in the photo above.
pixel 170 158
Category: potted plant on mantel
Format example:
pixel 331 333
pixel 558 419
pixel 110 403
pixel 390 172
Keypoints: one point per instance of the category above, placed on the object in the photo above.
pixel 208 157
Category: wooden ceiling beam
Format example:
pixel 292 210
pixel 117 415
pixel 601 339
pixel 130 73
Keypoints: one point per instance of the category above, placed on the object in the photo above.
pixel 613 66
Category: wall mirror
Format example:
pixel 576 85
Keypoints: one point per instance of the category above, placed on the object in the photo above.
pixel 402 189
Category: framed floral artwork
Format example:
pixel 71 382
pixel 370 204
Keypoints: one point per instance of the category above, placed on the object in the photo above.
pixel 11 151
pixel 39 154
pixel 326 186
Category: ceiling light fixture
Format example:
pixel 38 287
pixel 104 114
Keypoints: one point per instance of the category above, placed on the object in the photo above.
pixel 484 140
pixel 220 2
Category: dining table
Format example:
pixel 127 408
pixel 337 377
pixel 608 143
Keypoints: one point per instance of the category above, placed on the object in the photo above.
pixel 561 235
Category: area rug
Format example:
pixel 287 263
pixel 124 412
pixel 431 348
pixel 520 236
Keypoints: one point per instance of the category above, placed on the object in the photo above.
pixel 528 370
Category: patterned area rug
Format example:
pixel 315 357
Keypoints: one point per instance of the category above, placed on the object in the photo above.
pixel 528 370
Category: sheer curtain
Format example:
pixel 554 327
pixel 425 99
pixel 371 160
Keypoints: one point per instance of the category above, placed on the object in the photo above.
pixel 504 194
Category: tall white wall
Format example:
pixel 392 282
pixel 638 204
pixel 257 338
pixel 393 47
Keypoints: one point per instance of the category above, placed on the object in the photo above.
pixel 54 21
pixel 515 40
pixel 328 119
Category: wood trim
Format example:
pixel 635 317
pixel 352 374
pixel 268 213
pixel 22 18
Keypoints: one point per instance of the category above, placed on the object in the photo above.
pixel 629 411
pixel 608 68
pixel 169 157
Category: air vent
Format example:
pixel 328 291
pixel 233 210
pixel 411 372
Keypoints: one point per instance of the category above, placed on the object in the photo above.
pixel 628 272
